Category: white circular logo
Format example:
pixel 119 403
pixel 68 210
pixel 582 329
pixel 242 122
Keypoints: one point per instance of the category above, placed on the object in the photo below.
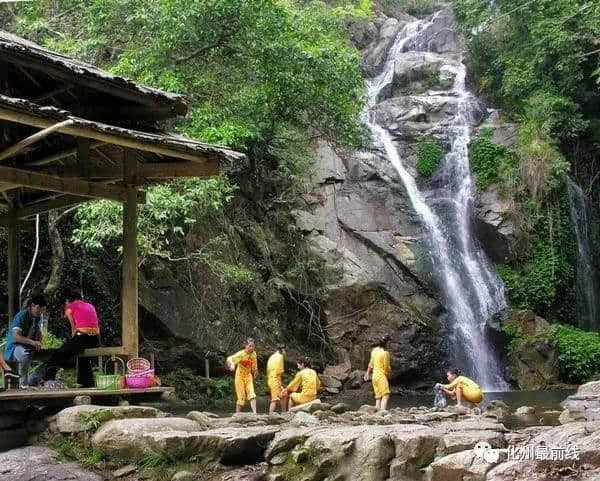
pixel 484 451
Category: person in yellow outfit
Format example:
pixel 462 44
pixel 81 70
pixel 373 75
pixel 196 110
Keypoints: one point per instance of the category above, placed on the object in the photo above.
pixel 307 381
pixel 246 369
pixel 275 368
pixel 461 387
pixel 380 366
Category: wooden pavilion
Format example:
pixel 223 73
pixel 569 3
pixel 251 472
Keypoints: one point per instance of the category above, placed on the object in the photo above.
pixel 69 133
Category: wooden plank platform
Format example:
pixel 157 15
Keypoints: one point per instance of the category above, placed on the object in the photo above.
pixel 39 394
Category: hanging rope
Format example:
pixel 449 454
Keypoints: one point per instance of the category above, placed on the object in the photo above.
pixel 35 253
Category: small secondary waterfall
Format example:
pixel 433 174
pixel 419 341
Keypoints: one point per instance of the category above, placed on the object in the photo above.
pixel 587 290
pixel 472 289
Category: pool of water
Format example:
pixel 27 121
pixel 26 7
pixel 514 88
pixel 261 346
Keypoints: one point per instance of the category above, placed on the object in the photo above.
pixel 546 404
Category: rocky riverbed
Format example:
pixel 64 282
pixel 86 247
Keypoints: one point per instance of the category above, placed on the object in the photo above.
pixel 317 442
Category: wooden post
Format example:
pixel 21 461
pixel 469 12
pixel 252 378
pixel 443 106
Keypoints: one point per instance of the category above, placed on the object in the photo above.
pixel 14 252
pixel 129 318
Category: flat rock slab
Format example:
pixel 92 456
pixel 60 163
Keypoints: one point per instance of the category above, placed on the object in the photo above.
pixel 132 437
pixel 36 463
pixel 75 419
pixel 183 437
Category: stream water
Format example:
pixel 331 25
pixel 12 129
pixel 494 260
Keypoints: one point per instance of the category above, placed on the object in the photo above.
pixel 546 404
pixel 471 288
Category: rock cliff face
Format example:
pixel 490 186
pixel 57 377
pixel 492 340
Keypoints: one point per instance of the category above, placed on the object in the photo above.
pixel 362 225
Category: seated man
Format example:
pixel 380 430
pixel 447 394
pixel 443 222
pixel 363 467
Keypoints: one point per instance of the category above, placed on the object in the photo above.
pixel 308 382
pixel 24 337
pixel 85 334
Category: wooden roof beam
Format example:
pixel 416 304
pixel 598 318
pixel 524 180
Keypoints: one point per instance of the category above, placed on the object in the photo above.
pixel 109 138
pixel 23 61
pixel 32 139
pixel 149 171
pixel 50 159
pixel 84 188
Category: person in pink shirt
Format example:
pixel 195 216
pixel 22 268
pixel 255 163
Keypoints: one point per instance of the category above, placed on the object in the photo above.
pixel 85 334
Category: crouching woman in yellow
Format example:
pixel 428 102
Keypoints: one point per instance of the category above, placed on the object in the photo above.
pixel 461 387
pixel 308 382
pixel 246 369
pixel 380 366
pixel 275 367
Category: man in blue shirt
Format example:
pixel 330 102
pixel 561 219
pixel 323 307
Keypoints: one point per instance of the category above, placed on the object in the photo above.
pixel 25 336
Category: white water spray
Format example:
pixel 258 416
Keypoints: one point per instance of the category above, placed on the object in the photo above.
pixel 472 289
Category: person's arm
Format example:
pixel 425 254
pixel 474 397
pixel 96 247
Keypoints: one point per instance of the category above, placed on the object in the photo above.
pixel 69 316
pixel 295 384
pixel 387 364
pixel 449 388
pixel 369 368
pixel 234 359
pixel 318 384
pixel 5 367
pixel 254 365
pixel 20 339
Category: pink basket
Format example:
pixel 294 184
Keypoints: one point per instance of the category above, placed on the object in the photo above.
pixel 140 380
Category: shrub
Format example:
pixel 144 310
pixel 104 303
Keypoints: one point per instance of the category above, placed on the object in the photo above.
pixel 430 154
pixel 489 160
pixel 578 353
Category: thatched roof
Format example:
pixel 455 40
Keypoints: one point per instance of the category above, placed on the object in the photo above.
pixel 170 145
pixel 35 58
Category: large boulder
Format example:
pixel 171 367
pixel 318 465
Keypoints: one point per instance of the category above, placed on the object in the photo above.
pixel 578 458
pixel 182 437
pixel 81 418
pixel 376 53
pixel 494 226
pixel 460 466
pixel 534 362
pixel 368 453
pixel 135 437
pixel 37 463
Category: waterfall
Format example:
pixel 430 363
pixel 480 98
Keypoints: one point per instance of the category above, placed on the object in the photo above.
pixel 471 288
pixel 586 282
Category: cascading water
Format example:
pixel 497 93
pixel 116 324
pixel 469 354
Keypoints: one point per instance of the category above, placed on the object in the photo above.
pixel 472 289
pixel 587 289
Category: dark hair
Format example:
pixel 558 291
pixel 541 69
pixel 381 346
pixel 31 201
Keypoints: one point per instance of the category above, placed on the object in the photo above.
pixel 305 361
pixel 38 300
pixel 250 340
pixel 454 371
pixel 383 342
pixel 72 295
pixel 281 347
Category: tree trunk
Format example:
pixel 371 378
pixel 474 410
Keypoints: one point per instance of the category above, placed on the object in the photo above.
pixel 58 254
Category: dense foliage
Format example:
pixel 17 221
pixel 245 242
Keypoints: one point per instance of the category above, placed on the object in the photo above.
pixel 544 282
pixel 429 156
pixel 492 163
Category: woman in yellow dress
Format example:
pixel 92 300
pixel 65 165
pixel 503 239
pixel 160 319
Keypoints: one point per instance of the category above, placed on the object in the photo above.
pixel 275 368
pixel 245 364
pixel 461 387
pixel 380 366
pixel 307 381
